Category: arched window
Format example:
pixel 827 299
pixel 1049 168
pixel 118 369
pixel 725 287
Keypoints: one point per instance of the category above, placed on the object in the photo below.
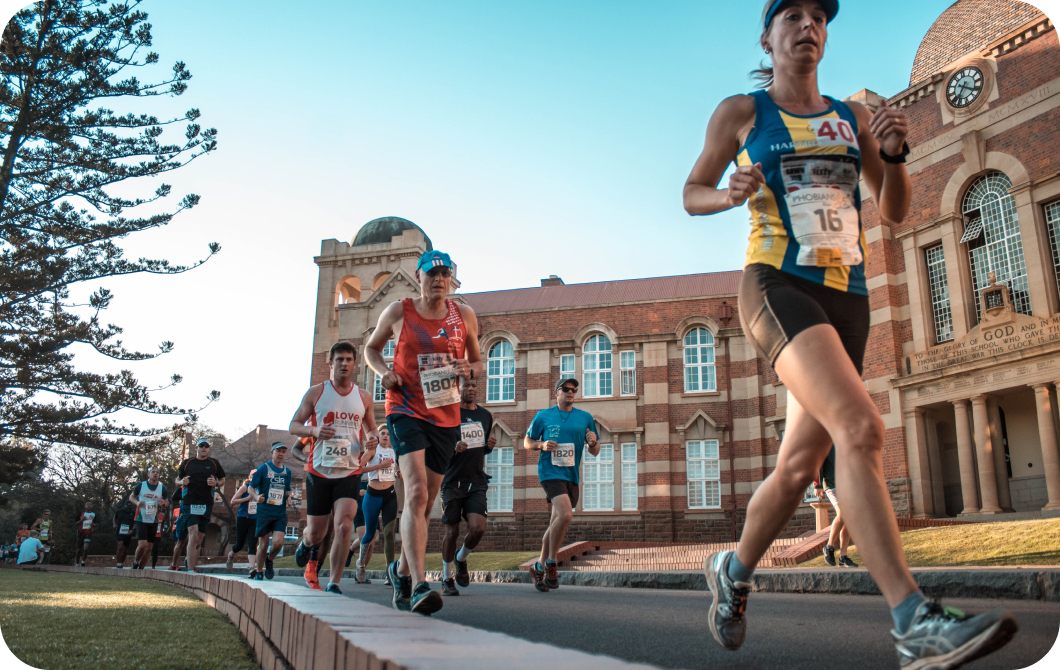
pixel 992 232
pixel 348 290
pixel 596 367
pixel 699 361
pixel 500 373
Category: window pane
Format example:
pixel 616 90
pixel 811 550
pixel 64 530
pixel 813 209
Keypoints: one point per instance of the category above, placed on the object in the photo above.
pixel 712 494
pixel 695 449
pixel 628 360
pixel 605 383
pixel 629 496
pixel 695 469
pixel 692 379
pixel 708 379
pixel 710 449
pixel 566 364
pixel 589 382
pixel 691 355
pixel 629 452
pixel 696 491
pixel 629 472
pixel 710 469
pixel 507 455
pixel 629 382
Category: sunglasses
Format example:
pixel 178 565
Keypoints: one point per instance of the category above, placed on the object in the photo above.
pixel 568 389
pixel 440 272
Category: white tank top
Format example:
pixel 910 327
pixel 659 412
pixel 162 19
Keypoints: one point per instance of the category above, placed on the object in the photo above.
pixel 383 474
pixel 150 498
pixel 338 457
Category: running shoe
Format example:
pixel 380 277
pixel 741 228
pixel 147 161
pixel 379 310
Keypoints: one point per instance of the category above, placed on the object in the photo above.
pixel 402 587
pixel 424 600
pixel 943 638
pixel 726 617
pixel 829 555
pixel 269 572
pixel 301 555
pixel 463 577
pixel 349 554
pixel 333 588
pixel 449 587
pixel 310 576
pixel 846 562
pixel 386 581
pixel 361 576
pixel 257 576
pixel 230 561
pixel 539 578
pixel 551 575
pixel 253 574
pixel 120 566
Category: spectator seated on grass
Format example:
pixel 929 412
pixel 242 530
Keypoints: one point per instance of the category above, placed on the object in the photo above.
pixel 31 550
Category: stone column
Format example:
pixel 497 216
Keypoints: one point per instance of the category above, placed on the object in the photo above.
pixel 984 449
pixel 1047 434
pixel 938 484
pixel 1004 495
pixel 966 458
pixel 919 468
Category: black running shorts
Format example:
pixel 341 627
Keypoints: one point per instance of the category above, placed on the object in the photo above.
pixel 776 306
pixel 321 492
pixel 459 501
pixel 561 487
pixel 146 531
pixel 409 434
pixel 358 518
pixel 124 539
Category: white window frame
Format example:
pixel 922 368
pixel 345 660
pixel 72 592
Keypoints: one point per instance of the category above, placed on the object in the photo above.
pixel 289 535
pixel 627 365
pixel 598 480
pixel 500 373
pixel 703 473
pixel 939 293
pixel 596 367
pixel 566 367
pixel 500 466
pixel 698 348
pixel 629 476
pixel 1052 221
pixel 989 206
pixel 378 392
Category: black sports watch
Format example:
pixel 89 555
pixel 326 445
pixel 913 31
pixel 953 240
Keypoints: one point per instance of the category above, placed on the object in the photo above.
pixel 899 158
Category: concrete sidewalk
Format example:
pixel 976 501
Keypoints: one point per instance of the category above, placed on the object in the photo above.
pixel 1020 583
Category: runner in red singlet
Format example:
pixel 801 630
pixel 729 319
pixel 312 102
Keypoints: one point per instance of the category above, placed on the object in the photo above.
pixel 335 411
pixel 437 343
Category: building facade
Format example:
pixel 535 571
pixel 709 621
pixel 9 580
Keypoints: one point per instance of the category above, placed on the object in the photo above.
pixel 963 352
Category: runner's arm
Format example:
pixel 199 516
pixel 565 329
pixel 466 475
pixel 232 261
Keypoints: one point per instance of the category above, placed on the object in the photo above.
pixel 889 183
pixel 238 498
pixel 472 353
pixel 373 348
pixel 305 412
pixel 732 120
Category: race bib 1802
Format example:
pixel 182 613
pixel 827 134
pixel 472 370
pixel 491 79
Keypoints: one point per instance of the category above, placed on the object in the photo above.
pixel 820 193
pixel 563 455
pixel 440 387
pixel 473 433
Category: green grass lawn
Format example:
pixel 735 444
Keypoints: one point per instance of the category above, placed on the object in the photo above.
pixel 489 560
pixel 1008 543
pixel 58 621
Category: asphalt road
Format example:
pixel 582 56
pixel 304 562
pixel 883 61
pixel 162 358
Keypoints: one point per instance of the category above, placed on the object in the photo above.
pixel 668 628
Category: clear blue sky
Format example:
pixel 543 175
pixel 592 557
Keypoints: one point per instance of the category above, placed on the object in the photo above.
pixel 525 138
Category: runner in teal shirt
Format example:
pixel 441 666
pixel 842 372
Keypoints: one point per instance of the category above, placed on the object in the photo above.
pixel 564 428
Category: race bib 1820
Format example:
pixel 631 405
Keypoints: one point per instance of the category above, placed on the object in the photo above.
pixel 473 433
pixel 563 455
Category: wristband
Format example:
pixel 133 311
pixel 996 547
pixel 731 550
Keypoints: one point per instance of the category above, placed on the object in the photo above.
pixel 898 158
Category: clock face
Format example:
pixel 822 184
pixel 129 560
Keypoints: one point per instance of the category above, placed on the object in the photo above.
pixel 964 87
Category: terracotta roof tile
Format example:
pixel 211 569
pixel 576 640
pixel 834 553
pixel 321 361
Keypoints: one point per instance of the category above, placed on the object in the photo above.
pixel 600 293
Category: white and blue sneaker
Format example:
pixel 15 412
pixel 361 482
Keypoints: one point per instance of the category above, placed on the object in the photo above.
pixel 726 620
pixel 944 638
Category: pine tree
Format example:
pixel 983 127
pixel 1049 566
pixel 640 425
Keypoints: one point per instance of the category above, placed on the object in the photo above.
pixel 66 154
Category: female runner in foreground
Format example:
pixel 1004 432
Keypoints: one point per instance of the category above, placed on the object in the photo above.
pixel 804 305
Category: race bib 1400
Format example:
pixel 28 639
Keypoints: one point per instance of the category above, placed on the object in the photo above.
pixel 473 434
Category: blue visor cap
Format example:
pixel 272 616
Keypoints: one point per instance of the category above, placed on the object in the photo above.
pixel 278 445
pixel 434 259
pixel 830 7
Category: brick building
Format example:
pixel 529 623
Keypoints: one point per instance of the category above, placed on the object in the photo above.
pixel 692 419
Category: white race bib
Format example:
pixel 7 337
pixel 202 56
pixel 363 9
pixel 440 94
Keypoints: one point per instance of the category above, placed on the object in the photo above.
pixel 337 453
pixel 386 474
pixel 563 455
pixel 819 194
pixel 87 523
pixel 150 509
pixel 276 494
pixel 252 507
pixel 124 530
pixel 473 433
pixel 198 510
pixel 440 387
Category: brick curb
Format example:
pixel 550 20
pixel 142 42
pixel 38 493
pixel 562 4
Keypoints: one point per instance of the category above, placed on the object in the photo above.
pixel 292 628
pixel 1030 583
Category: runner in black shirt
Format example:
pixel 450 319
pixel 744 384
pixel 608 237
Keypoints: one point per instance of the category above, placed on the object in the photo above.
pixel 123 528
pixel 180 534
pixel 464 488
pixel 199 476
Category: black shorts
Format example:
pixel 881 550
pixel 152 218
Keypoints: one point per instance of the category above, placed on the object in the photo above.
pixel 321 492
pixel 265 527
pixel 459 501
pixel 561 487
pixel 409 434
pixel 358 518
pixel 244 527
pixel 146 531
pixel 124 539
pixel 199 520
pixel 775 306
